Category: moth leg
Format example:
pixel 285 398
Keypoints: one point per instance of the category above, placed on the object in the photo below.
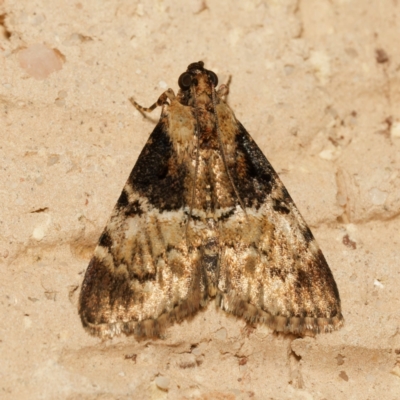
pixel 223 90
pixel 168 94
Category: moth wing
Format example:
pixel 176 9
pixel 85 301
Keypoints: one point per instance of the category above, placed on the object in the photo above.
pixel 272 269
pixel 142 274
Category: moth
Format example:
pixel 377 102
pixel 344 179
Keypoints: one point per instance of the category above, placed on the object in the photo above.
pixel 204 216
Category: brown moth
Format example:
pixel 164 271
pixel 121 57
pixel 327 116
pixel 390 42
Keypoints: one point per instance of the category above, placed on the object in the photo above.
pixel 204 215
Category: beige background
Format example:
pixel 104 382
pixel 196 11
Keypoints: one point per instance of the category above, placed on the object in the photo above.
pixel 316 83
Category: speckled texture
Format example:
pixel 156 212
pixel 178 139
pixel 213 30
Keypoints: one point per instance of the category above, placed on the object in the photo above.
pixel 204 215
pixel 316 85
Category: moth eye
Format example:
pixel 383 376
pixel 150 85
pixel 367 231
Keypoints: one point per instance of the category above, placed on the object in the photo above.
pixel 213 77
pixel 184 81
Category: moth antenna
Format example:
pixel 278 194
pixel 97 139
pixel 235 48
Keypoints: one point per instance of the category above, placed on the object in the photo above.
pixel 221 145
pixel 196 168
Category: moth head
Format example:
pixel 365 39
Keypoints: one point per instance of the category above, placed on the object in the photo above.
pixel 195 73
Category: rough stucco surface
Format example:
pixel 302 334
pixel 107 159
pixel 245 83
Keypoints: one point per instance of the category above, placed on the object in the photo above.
pixel 316 83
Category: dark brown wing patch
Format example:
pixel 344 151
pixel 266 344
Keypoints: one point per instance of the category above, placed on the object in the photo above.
pixel 157 175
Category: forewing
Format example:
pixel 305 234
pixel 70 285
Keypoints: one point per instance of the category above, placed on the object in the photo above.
pixel 271 269
pixel 142 274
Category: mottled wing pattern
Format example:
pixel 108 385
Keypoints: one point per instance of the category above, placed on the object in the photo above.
pixel 142 274
pixel 203 215
pixel 272 270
